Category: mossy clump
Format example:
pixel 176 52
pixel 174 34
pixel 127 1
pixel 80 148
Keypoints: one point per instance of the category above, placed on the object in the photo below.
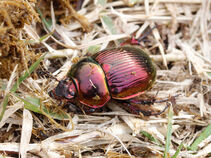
pixel 13 50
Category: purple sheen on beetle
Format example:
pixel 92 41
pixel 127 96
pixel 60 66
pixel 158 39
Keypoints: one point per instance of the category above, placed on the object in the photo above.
pixel 130 72
pixel 120 73
pixel 90 82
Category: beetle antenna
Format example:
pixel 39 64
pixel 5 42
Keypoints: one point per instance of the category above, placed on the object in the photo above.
pixel 171 98
pixel 46 74
pixel 146 34
pixel 158 113
pixel 51 76
pixel 141 38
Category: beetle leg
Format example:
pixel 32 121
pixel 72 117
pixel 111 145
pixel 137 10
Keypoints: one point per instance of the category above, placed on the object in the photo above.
pixel 140 107
pixel 73 108
pixel 145 110
pixel 143 102
pixel 153 100
pixel 150 113
pixel 81 109
pixel 87 109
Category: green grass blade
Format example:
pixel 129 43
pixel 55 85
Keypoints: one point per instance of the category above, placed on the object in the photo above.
pixel 102 2
pixel 19 81
pixel 3 87
pixel 150 137
pixel 4 105
pixel 178 150
pixel 93 49
pixel 109 24
pixel 169 132
pixel 209 74
pixel 206 133
pixel 33 104
pixel 45 36
pixel 27 74
pixel 47 24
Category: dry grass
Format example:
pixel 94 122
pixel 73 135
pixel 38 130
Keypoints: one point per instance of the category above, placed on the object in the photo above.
pixel 179 45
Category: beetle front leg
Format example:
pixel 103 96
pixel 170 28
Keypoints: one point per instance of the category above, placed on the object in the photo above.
pixel 73 108
pixel 88 110
pixel 82 109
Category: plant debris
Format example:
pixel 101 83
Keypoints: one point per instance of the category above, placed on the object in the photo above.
pixel 52 35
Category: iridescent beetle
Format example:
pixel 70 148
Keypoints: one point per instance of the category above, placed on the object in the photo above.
pixel 119 73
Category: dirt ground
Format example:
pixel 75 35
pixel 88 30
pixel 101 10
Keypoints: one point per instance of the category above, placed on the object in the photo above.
pixel 41 39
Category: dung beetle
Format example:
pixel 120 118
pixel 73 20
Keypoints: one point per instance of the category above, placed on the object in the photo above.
pixel 120 73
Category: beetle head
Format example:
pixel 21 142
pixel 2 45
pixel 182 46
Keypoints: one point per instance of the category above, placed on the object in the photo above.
pixel 64 90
